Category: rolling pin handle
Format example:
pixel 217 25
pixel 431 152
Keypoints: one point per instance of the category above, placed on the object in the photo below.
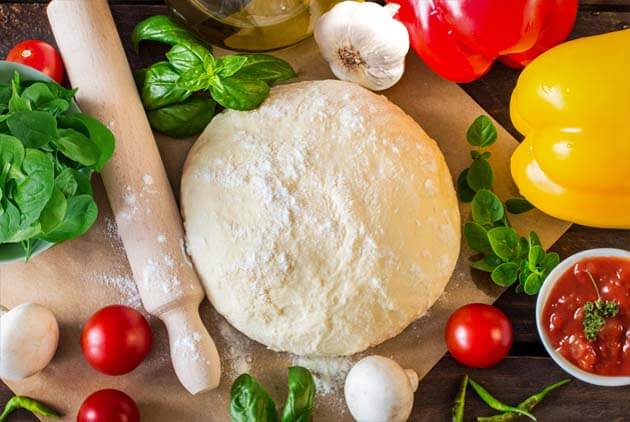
pixel 193 352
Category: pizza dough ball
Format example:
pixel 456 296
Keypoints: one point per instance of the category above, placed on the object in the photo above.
pixel 322 223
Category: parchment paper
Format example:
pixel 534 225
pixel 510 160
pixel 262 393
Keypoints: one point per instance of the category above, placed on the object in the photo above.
pixel 71 279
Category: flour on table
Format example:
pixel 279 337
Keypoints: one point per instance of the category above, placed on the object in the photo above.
pixel 329 372
pixel 237 354
pixel 189 345
pixel 160 271
pixel 125 286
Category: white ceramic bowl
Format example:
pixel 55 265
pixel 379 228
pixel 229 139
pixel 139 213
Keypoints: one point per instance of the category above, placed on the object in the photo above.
pixel 550 281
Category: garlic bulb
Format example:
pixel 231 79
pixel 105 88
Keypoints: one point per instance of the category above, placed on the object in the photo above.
pixel 363 43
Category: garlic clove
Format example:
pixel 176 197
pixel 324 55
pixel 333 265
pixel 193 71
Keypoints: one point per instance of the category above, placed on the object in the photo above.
pixel 363 44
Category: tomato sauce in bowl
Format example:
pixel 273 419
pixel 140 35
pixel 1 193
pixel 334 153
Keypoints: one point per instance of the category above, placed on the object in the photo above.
pixel 563 315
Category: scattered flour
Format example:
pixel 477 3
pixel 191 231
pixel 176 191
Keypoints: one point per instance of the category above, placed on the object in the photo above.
pixel 329 372
pixel 237 355
pixel 189 345
pixel 161 238
pixel 126 287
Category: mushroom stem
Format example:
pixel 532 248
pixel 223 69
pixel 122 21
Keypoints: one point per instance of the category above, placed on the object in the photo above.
pixel 413 379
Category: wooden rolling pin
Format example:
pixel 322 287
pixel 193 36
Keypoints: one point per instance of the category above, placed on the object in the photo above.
pixel 139 192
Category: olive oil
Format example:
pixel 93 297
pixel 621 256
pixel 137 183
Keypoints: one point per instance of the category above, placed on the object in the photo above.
pixel 251 25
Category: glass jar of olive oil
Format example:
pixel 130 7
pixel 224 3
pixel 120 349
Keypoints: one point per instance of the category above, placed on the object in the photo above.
pixel 251 25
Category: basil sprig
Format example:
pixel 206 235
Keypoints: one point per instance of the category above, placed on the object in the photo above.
pixel 508 257
pixel 250 402
pixel 180 94
pixel 46 158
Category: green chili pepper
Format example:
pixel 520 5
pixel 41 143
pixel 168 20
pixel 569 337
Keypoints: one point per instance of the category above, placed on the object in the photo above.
pixel 496 404
pixel 32 405
pixel 460 401
pixel 528 404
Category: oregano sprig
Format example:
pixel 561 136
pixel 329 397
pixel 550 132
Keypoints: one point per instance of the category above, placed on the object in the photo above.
pixel 597 312
pixel 508 257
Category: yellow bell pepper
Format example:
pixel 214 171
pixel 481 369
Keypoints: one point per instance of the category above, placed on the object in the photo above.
pixel 572 104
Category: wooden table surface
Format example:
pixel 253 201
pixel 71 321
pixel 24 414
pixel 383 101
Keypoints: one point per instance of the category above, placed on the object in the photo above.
pixel 528 367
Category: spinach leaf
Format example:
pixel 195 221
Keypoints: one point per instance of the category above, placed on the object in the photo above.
pixel 266 68
pixel 250 402
pixel 16 102
pixel 97 133
pixel 77 147
pixel 183 119
pixel 163 29
pixel 160 86
pixel 239 93
pixel 11 154
pixel 184 57
pixel 42 98
pixel 5 96
pixel 9 220
pixel 66 183
pixel 54 211
pixel 34 128
pixel 60 92
pixel 299 404
pixel 34 185
pixel 81 213
pixel 482 132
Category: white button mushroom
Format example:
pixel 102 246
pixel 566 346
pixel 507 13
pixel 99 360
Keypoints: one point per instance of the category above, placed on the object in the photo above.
pixel 29 334
pixel 379 390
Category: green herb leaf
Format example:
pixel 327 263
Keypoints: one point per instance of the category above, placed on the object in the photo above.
pixel 250 402
pixel 549 262
pixel 532 284
pixel 184 57
pixel 239 94
pixel 476 237
pixel 487 208
pixel 535 257
pixel 464 192
pixel 480 175
pixel 164 29
pixel 301 398
pixel 228 65
pixel 482 132
pixel 66 183
pixel 505 274
pixel 196 79
pixel 81 213
pixel 504 242
pixel 98 134
pixel 266 68
pixel 34 128
pixel 9 220
pixel 161 88
pixel 34 185
pixel 54 211
pixel 518 205
pixel 16 102
pixel 488 263
pixel 184 119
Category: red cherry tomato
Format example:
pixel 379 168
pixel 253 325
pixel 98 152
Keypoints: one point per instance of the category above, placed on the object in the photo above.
pixel 116 339
pixel 478 335
pixel 108 406
pixel 39 55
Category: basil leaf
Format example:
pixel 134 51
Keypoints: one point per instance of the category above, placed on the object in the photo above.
pixel 476 237
pixel 81 213
pixel 54 211
pixel 301 398
pixel 479 175
pixel 518 205
pixel 34 186
pixel 9 220
pixel 504 242
pixel 183 119
pixel 160 86
pixel 481 132
pixel 464 192
pixel 77 147
pixel 162 29
pixel 184 57
pixel 487 208
pixel 532 284
pixel 239 94
pixel 34 128
pixel 196 79
pixel 505 274
pixel 228 65
pixel 97 133
pixel 266 68
pixel 250 402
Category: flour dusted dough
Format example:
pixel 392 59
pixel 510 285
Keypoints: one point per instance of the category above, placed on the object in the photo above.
pixel 322 223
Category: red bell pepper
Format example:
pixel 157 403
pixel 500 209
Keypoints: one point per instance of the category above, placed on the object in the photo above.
pixel 460 39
